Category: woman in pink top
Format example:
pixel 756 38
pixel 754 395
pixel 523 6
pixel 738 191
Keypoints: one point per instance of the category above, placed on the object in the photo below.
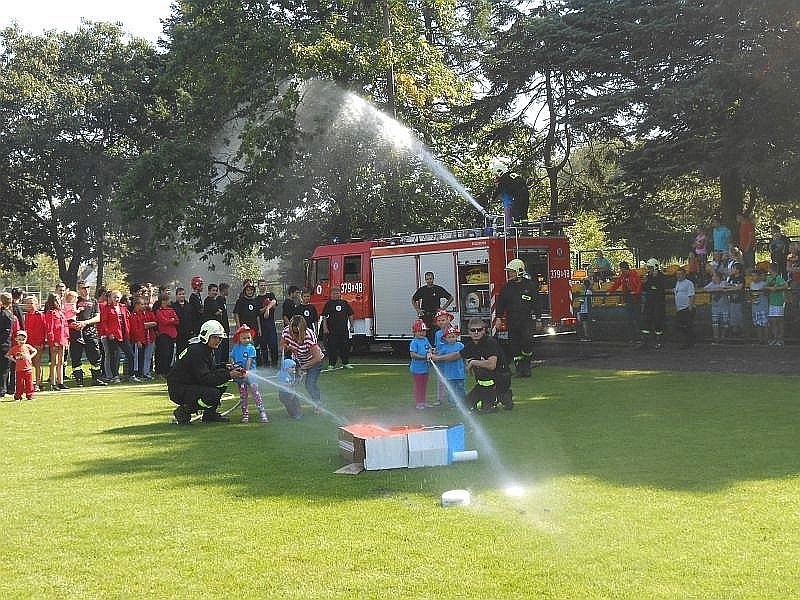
pixel 57 337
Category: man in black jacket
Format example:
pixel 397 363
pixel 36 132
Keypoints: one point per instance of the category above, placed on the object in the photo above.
pixel 486 360
pixel 196 382
pixel 517 302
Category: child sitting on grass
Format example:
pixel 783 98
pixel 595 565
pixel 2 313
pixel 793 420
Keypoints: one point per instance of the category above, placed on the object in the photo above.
pixel 243 354
pixel 288 379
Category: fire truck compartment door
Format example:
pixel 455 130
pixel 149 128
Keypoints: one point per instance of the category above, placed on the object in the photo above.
pixel 394 281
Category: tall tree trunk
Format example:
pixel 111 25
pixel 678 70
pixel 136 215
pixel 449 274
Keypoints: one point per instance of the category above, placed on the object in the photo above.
pixel 732 197
pixel 100 245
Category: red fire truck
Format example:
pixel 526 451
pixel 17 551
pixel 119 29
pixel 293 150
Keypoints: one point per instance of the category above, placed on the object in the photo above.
pixel 378 277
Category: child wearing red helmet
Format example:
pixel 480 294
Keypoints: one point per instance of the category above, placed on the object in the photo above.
pixel 419 349
pixel 243 354
pixel 443 321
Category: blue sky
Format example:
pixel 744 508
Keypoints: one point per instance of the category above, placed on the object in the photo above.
pixel 138 17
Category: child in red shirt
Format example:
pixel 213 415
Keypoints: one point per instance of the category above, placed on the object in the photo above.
pixel 22 354
pixel 143 337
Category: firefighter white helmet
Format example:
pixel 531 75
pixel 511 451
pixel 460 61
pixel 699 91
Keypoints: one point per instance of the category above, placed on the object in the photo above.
pixel 517 266
pixel 498 166
pixel 210 328
pixel 653 263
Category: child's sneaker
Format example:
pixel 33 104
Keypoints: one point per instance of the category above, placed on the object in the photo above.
pixel 348 366
pixel 422 406
pixel 18 398
pixel 264 418
pixel 245 418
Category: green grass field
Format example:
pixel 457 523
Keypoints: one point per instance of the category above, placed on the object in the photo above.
pixel 637 485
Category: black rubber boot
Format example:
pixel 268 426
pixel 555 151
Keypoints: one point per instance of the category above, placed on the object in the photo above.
pixel 77 375
pixel 97 378
pixel 212 416
pixel 183 415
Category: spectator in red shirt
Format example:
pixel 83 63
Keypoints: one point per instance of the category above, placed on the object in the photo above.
pixel 34 325
pixel 168 321
pixel 143 337
pixel 747 240
pixel 630 286
pixel 115 327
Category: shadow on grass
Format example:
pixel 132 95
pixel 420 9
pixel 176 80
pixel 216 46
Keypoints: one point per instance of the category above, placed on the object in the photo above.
pixel 639 429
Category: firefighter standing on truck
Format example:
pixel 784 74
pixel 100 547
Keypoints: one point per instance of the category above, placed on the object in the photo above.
pixel 517 301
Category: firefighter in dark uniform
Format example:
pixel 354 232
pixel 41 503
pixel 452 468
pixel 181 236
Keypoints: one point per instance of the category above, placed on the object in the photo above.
pixel 427 301
pixel 196 382
pixel 517 301
pixel 654 309
pixel 83 336
pixel 512 190
pixel 485 358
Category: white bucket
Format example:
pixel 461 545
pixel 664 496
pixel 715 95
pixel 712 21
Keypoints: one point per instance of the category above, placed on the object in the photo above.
pixel 455 498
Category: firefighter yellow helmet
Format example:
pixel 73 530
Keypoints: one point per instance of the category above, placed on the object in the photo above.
pixel 516 265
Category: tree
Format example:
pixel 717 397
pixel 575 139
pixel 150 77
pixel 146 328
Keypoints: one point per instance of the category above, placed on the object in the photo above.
pixel 74 112
pixel 238 170
pixel 704 88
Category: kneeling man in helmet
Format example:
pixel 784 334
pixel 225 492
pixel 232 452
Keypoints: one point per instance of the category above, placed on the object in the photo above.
pixel 195 381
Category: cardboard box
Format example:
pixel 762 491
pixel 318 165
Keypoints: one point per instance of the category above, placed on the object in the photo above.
pixel 377 447
pixel 427 448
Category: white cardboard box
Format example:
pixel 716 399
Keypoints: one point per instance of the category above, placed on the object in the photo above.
pixel 427 448
pixel 389 452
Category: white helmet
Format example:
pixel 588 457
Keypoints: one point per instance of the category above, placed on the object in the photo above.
pixel 653 263
pixel 517 266
pixel 498 166
pixel 210 328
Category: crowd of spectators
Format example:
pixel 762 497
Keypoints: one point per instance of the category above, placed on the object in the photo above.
pixel 132 336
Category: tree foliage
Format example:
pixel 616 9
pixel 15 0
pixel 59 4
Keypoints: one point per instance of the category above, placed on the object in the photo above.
pixel 699 99
pixel 74 113
pixel 240 171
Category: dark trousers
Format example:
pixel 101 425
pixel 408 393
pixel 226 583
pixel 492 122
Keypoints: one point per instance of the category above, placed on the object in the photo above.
pixel 269 344
pixel 520 344
pixel 653 318
pixel 684 323
pixel 165 350
pixel 195 397
pixel 488 396
pixel 89 345
pixel 338 346
pixel 5 372
pixel 116 348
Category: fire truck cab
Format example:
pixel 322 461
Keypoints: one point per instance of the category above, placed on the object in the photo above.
pixel 379 277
